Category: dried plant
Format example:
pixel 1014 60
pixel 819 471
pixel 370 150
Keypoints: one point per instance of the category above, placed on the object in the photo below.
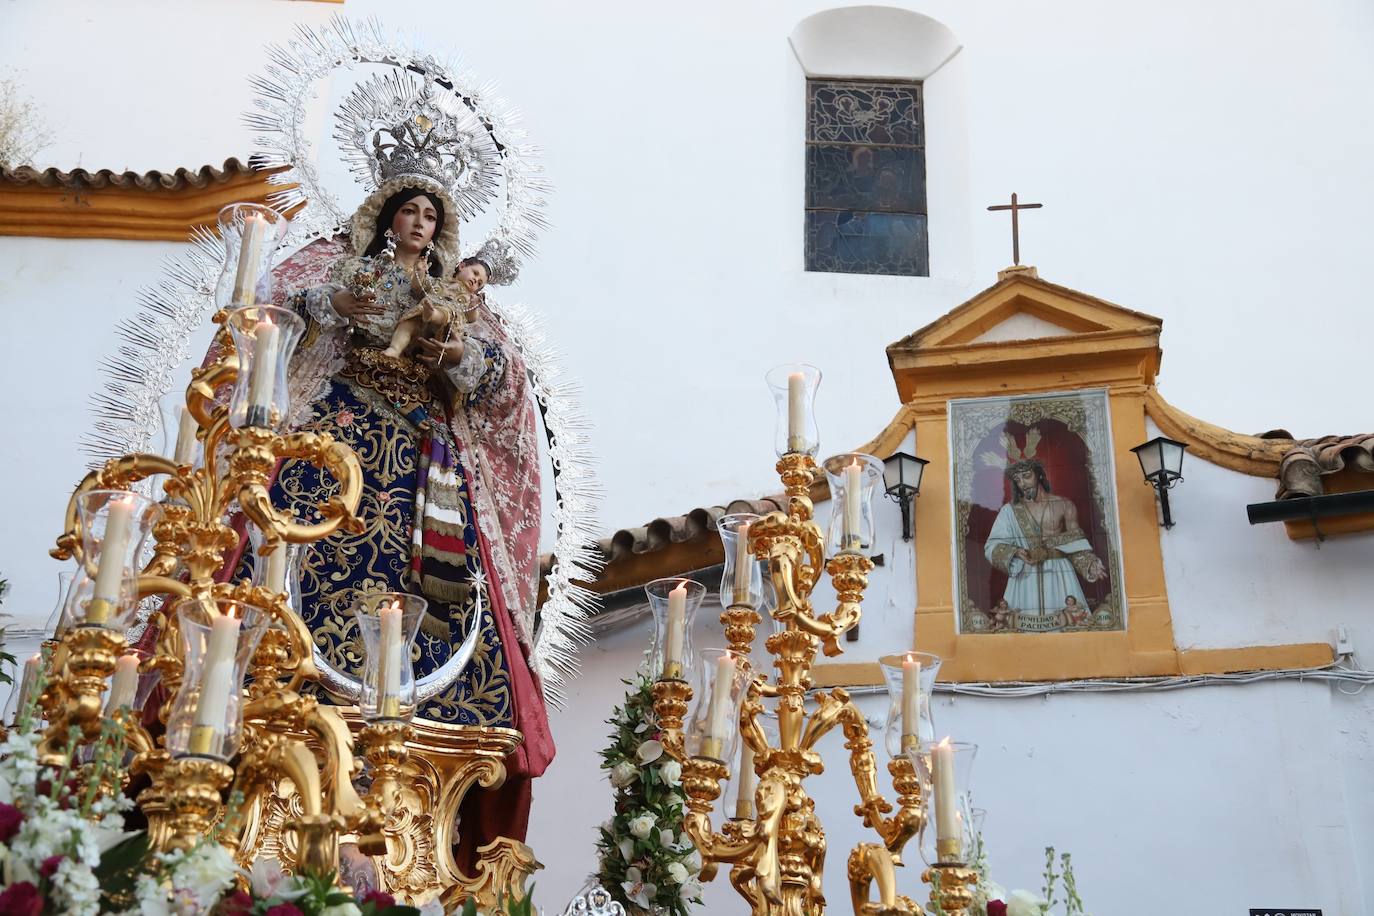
pixel 23 132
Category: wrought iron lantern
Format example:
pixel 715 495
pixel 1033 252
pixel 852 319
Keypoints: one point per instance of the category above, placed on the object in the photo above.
pixel 902 478
pixel 1161 461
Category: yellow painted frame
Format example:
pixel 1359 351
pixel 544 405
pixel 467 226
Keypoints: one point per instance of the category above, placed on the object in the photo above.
pixel 1107 347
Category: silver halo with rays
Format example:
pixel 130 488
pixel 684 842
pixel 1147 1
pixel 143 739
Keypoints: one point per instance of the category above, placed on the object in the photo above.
pixel 154 342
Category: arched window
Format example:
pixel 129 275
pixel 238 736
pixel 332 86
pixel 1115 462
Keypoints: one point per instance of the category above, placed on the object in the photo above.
pixel 869 143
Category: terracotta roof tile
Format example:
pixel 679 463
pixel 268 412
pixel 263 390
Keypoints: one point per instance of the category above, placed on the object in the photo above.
pixel 106 178
pixel 1304 465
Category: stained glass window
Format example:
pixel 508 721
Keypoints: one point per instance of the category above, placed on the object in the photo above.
pixel 865 178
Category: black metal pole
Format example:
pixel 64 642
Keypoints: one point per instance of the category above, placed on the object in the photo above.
pixel 906 500
pixel 1164 504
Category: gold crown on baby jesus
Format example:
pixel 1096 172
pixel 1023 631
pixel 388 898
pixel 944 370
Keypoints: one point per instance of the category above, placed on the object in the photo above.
pixel 1016 458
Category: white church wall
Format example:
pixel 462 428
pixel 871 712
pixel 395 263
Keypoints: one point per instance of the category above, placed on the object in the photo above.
pixel 1181 177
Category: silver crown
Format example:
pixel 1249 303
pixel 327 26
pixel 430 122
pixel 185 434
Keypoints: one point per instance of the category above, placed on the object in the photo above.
pixel 395 126
pixel 502 260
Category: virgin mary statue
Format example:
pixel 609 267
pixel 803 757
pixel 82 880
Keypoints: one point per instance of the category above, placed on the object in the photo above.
pixel 403 361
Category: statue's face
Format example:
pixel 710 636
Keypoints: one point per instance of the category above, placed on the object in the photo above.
pixel 1025 482
pixel 473 277
pixel 414 223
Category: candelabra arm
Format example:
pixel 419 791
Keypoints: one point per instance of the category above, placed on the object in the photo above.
pixel 871 864
pixel 832 707
pixel 895 831
pixel 115 474
pixel 162 585
pixel 328 726
pixel 251 467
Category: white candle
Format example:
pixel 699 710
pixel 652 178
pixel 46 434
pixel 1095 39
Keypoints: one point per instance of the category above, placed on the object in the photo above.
pixel 250 249
pixel 853 504
pixel 744 801
pixel 744 564
pixel 264 375
pixel 911 699
pixel 796 412
pixel 26 683
pixel 947 834
pixel 676 628
pixel 109 576
pixel 392 650
pixel 186 439
pixel 124 684
pixel 274 576
pixel 216 682
pixel 718 715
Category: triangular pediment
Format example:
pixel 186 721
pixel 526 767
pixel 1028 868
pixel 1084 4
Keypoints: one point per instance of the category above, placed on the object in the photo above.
pixel 1024 307
pixel 1028 334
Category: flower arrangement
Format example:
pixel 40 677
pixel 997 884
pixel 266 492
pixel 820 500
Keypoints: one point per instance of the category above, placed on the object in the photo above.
pixel 647 863
pixel 991 899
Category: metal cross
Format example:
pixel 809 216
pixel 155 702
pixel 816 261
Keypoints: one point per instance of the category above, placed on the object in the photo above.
pixel 1015 208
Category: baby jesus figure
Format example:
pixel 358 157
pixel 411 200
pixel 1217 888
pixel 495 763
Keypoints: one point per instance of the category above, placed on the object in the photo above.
pixel 439 314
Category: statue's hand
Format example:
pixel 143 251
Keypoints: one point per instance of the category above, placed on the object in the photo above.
pixel 437 353
pixel 353 307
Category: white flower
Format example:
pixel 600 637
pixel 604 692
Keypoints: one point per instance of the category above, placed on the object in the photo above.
pixel 693 861
pixel 690 889
pixel 1024 903
pixel 268 880
pixel 643 825
pixel 151 897
pixel 633 875
pixel 665 838
pixel 343 909
pixel 627 848
pixel 670 771
pixel 623 773
pixel 76 888
pixel 677 872
pixel 650 751
pixel 208 871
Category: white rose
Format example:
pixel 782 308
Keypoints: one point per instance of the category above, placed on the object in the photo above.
pixel 627 848
pixel 623 773
pixel 343 909
pixel 643 825
pixel 670 771
pixel 677 872
pixel 650 751
pixel 1024 903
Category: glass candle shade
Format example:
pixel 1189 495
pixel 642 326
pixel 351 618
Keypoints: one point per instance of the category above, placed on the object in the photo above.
pixel 853 479
pixel 738 797
pixel 742 580
pixel 794 396
pixel 265 337
pixel 218 639
pixel 57 620
pixel 389 623
pixel 279 571
pixel 251 234
pixel 114 526
pixel 179 442
pixel 945 769
pixel 22 692
pixel 910 678
pixel 721 681
pixel 674 602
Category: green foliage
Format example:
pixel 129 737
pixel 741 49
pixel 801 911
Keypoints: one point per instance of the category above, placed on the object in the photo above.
pixel 522 907
pixel 657 869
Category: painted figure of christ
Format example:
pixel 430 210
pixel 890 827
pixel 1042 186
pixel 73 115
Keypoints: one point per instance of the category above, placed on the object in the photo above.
pixel 1037 541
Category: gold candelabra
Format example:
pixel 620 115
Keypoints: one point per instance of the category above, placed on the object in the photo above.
pixel 776 850
pixel 293 771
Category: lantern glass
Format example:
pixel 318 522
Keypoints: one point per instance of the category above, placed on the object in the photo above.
pixel 741 582
pixel 902 734
pixel 902 472
pixel 853 477
pixel 722 679
pixel 794 396
pixel 389 623
pixel 114 526
pixel 218 639
pixel 947 837
pixel 671 656
pixel 265 337
pixel 251 234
